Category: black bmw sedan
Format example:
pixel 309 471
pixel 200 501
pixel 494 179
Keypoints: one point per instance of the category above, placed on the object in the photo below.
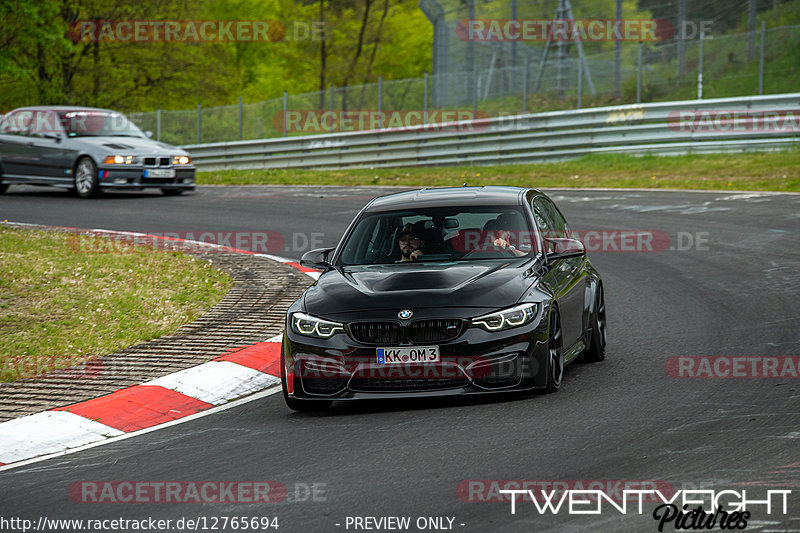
pixel 440 292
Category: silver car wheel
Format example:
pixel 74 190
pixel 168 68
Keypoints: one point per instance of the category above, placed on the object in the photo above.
pixel 85 177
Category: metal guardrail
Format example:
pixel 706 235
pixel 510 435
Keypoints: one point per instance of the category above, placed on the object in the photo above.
pixel 636 129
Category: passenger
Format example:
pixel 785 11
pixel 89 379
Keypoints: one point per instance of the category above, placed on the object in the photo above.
pixel 502 236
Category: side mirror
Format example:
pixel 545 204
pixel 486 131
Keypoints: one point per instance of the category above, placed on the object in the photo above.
pixel 559 247
pixel 54 136
pixel 317 258
pixel 148 134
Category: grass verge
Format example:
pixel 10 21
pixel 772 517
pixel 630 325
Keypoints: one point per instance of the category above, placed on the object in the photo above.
pixel 756 171
pixel 61 306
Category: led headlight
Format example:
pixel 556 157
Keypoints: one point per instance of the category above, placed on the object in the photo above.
pixel 312 326
pixel 181 160
pixel 507 318
pixel 121 160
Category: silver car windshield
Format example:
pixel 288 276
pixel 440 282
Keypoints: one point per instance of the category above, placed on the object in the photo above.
pixel 463 233
pixel 93 123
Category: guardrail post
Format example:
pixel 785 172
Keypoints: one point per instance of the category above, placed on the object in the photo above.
pixel 761 59
pixel 285 110
pixel 681 37
pixel 240 118
pixel 639 76
pixel 525 85
pixel 158 124
pixel 380 101
pixel 700 70
pixel 425 103
pixel 330 104
pixel 474 91
pixel 199 123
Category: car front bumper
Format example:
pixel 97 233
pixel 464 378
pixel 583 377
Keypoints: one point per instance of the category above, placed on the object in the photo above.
pixel 137 178
pixel 476 362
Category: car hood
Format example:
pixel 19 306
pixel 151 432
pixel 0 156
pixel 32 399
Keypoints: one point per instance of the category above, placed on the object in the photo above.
pixel 127 145
pixel 489 284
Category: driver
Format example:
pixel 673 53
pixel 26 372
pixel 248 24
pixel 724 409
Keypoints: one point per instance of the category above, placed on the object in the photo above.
pixel 410 241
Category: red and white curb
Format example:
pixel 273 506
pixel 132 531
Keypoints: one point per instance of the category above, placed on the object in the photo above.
pixel 232 376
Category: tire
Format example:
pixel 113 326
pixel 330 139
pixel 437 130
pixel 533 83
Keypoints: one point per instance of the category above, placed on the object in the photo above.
pixel 295 404
pixel 172 192
pixel 86 184
pixel 597 344
pixel 555 358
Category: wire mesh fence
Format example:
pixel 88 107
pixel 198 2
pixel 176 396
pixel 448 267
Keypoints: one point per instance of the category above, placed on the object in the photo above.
pixel 496 86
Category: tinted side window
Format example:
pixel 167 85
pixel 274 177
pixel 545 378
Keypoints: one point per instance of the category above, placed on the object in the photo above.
pixel 554 224
pixel 541 218
pixel 559 222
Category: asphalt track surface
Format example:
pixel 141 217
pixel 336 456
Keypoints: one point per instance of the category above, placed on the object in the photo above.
pixel 734 294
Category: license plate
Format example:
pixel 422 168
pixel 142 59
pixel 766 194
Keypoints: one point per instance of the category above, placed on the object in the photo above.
pixel 400 356
pixel 159 173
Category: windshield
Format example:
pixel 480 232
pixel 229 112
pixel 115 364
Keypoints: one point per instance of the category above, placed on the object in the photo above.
pixel 464 233
pixel 97 124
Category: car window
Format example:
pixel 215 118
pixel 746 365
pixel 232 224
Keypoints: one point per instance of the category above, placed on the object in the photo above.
pixel 97 123
pixel 541 220
pixel 17 123
pixel 553 223
pixel 465 233
pixel 45 122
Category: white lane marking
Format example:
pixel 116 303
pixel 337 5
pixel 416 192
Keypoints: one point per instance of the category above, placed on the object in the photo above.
pixel 48 432
pixel 746 196
pixel 216 382
pixel 276 338
pixel 213 410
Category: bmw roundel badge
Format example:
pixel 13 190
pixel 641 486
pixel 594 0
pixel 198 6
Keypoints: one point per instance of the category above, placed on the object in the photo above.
pixel 405 314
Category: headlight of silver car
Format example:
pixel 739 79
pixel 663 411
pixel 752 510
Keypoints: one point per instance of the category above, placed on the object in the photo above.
pixel 507 318
pixel 312 326
pixel 121 160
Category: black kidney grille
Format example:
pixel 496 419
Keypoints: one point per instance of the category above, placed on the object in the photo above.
pixel 434 330
pixel 419 331
pixel 376 332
